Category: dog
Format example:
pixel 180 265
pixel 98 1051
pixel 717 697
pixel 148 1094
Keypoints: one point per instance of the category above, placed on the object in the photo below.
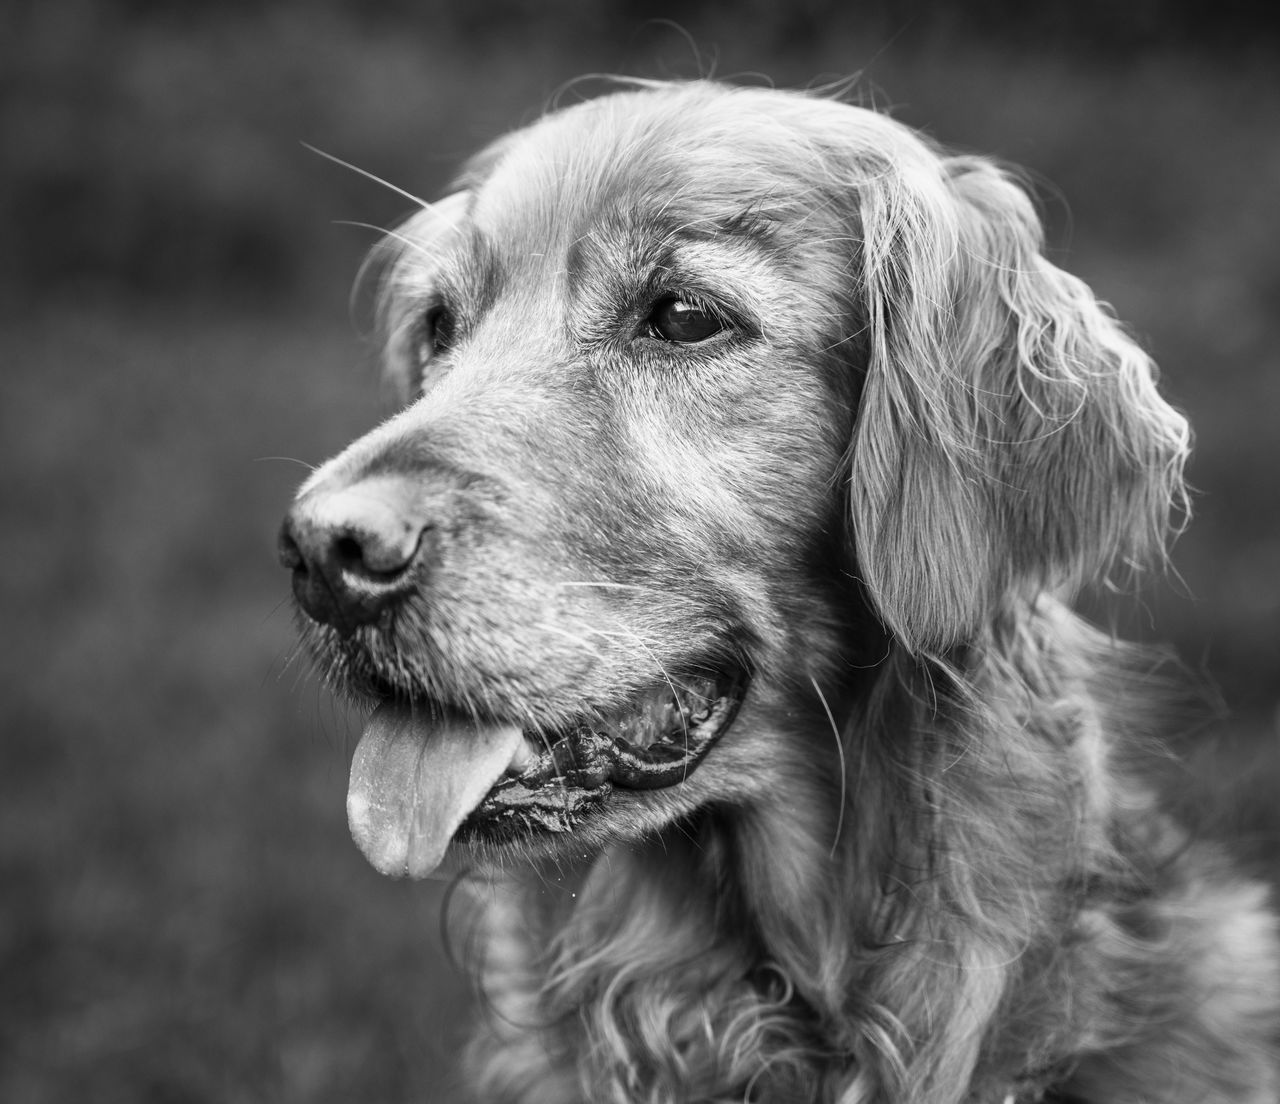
pixel 711 596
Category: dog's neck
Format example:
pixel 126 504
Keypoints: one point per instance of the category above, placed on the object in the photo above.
pixel 682 959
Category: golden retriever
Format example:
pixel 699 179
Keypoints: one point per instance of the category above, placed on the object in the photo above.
pixel 709 593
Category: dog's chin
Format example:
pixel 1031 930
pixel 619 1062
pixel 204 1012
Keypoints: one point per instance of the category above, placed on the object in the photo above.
pixel 425 776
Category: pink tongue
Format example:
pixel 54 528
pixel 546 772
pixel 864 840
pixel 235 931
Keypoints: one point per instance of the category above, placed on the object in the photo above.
pixel 414 780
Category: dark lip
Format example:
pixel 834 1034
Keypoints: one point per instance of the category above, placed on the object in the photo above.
pixel 583 766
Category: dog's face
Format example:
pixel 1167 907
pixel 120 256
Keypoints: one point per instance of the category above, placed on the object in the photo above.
pixel 665 407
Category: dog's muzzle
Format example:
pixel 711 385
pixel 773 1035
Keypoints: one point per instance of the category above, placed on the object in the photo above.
pixel 424 772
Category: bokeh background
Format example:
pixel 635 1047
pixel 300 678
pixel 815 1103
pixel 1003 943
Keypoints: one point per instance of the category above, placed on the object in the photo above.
pixel 182 915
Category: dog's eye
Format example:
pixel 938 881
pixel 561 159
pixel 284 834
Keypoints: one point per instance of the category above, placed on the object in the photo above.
pixel 683 322
pixel 434 335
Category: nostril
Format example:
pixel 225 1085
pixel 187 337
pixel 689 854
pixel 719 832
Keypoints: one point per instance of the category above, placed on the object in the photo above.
pixel 377 555
pixel 348 554
pixel 370 556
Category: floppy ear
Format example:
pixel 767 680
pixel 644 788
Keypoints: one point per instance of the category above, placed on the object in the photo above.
pixel 1010 437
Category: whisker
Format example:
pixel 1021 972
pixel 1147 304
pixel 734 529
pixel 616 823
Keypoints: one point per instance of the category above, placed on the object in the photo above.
pixel 840 749
pixel 575 637
pixel 404 239
pixel 667 678
pixel 368 175
pixel 612 586
pixel 286 460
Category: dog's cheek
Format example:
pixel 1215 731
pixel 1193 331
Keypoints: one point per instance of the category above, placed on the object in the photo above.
pixel 709 495
pixel 741 454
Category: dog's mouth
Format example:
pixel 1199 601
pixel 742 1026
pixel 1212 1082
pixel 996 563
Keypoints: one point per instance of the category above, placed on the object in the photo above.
pixel 423 774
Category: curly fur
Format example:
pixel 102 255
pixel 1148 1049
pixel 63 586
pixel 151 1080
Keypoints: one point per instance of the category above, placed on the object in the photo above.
pixel 923 866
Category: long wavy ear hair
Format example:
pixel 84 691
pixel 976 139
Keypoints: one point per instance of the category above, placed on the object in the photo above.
pixel 1009 441
pixel 1010 438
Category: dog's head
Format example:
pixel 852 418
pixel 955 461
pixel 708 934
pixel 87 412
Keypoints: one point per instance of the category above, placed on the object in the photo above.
pixel 704 389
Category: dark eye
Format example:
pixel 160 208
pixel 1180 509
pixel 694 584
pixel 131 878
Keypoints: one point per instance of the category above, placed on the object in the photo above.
pixel 683 322
pixel 435 334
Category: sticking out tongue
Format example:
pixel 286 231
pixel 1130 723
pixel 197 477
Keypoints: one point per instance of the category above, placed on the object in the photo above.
pixel 415 778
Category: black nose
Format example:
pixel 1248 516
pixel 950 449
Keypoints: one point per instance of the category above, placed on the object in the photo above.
pixel 354 551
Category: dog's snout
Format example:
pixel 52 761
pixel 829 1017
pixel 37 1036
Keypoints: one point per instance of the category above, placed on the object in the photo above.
pixel 353 550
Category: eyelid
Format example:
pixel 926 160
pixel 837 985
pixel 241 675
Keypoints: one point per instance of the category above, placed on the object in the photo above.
pixel 702 302
pixel 716 281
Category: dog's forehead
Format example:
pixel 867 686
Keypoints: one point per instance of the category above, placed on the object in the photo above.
pixel 640 155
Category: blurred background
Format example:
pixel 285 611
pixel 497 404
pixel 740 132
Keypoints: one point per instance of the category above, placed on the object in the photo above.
pixel 182 914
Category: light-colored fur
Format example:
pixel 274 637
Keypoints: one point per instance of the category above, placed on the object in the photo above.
pixel 922 866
